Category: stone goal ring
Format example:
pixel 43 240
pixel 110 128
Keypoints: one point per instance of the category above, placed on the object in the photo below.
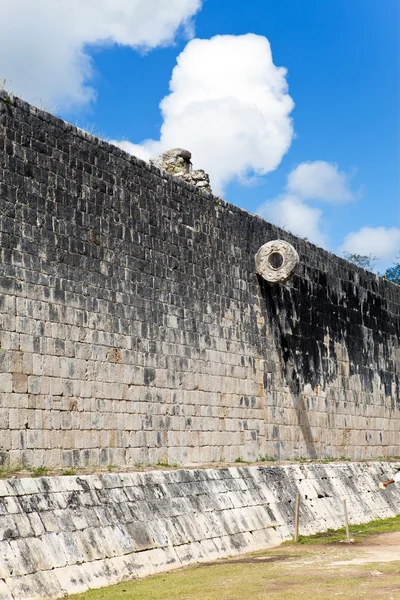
pixel 276 261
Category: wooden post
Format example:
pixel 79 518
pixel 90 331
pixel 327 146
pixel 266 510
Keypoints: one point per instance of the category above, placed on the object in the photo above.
pixel 296 519
pixel 346 521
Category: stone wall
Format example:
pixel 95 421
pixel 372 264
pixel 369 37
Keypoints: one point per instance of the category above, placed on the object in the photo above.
pixel 68 534
pixel 135 330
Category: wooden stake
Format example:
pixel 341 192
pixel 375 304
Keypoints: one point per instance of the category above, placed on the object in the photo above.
pixel 296 519
pixel 346 521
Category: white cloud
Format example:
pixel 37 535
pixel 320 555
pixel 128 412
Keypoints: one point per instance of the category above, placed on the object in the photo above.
pixel 382 242
pixel 320 180
pixel 316 181
pixel 138 150
pixel 229 106
pixel 43 42
pixel 294 215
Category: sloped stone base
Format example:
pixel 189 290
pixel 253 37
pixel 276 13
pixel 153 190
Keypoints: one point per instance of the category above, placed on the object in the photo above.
pixel 63 535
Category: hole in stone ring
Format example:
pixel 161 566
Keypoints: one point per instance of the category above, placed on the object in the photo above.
pixel 275 260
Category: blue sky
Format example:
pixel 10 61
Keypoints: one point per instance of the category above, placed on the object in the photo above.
pixel 316 149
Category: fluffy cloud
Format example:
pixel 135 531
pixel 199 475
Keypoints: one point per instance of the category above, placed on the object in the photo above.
pixel 43 42
pixel 145 151
pixel 382 242
pixel 290 213
pixel 316 181
pixel 320 180
pixel 229 106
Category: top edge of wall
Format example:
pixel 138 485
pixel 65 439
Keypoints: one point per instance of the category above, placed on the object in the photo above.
pixel 14 101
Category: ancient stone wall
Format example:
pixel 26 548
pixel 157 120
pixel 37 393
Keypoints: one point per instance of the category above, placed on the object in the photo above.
pixel 63 535
pixel 134 328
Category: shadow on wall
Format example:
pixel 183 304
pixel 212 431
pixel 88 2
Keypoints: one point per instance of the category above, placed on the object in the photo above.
pixel 300 344
pixel 312 315
pixel 305 427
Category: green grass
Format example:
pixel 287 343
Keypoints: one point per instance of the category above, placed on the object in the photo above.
pixel 357 532
pixel 327 459
pixel 39 471
pixel 6 472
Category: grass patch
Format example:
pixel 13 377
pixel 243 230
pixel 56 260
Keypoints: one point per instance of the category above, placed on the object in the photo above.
pixel 6 472
pixel 39 471
pixel 328 459
pixel 357 532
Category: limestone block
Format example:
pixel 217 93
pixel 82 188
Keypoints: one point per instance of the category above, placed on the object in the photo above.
pixel 140 536
pixel 7 564
pixel 5 593
pixel 265 538
pixel 50 521
pixel 71 580
pixel 190 553
pixel 33 587
pixel 69 545
pixel 6 382
pixel 92 545
pixel 9 505
pixel 210 549
pixel 95 574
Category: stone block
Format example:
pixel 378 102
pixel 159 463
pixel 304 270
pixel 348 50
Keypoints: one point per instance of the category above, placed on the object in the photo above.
pixel 71 580
pixel 5 593
pixel 6 382
pixel 34 587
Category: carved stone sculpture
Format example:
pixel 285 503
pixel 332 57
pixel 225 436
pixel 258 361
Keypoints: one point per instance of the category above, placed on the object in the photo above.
pixel 276 261
pixel 177 162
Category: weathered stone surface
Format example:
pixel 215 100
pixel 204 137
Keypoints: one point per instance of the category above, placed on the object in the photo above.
pixel 177 162
pixel 185 517
pixel 134 329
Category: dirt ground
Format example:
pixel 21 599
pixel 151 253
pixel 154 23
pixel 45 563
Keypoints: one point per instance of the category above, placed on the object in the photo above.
pixel 384 547
pixel 365 570
pixel 374 562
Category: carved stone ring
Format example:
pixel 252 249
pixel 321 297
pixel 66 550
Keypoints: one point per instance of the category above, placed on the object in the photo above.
pixel 276 261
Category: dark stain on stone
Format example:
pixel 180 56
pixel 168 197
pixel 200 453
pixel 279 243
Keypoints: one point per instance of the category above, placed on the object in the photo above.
pixel 301 314
pixel 45 484
pixel 83 483
pixel 349 310
pixel 149 376
pixel 73 500
pixel 10 534
pixel 251 560
pixel 291 312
